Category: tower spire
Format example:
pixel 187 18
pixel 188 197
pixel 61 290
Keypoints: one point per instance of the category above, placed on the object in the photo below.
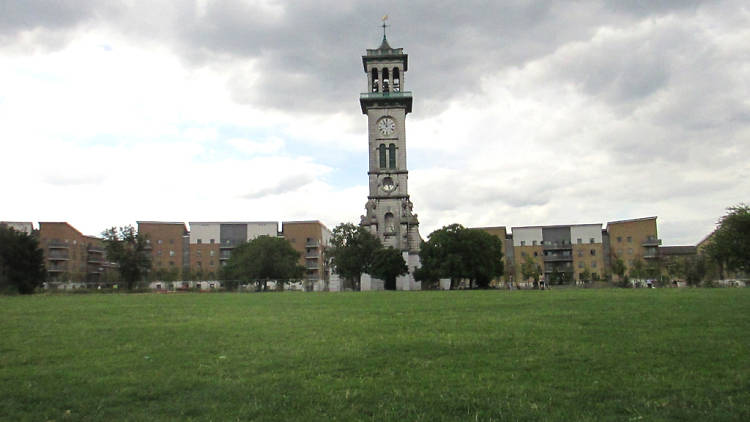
pixel 385 18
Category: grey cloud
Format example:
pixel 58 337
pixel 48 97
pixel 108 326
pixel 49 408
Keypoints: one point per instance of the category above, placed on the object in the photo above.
pixel 288 184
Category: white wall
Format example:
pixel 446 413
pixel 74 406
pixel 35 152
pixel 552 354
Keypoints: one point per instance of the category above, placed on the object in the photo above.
pixel 585 232
pixel 528 235
pixel 205 232
pixel 254 230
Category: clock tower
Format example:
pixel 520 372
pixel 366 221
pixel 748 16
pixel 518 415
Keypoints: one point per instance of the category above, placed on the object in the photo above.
pixel 386 103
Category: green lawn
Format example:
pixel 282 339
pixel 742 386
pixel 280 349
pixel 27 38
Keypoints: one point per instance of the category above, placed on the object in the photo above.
pixel 644 354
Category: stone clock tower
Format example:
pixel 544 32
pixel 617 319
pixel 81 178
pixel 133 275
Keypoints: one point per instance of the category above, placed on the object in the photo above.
pixel 389 211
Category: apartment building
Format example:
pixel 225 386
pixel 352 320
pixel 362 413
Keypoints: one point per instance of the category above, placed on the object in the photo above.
pixel 634 240
pixel 527 244
pixel 211 243
pixel 310 238
pixel 71 256
pixel 167 245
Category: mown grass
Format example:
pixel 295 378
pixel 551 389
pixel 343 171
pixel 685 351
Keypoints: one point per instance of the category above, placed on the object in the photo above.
pixel 667 354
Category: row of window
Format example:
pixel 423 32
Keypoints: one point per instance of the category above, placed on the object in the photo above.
pixel 581 264
pixel 555 243
pixel 386 79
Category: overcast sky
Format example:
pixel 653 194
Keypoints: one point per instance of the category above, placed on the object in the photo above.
pixel 525 112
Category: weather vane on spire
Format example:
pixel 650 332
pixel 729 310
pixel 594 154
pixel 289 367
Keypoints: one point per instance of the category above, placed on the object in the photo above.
pixel 385 18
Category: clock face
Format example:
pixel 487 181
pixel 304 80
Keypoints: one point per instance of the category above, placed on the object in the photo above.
pixel 386 126
pixel 388 185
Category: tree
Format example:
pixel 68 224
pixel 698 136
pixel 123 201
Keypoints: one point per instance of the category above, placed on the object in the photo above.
pixel 530 269
pixel 585 275
pixel 263 259
pixel 637 269
pixel 618 269
pixel 730 243
pixel 351 252
pixel 457 253
pixel 128 249
pixel 21 261
pixel 387 264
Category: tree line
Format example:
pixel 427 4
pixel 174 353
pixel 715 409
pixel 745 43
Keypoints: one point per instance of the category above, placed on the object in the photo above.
pixel 452 252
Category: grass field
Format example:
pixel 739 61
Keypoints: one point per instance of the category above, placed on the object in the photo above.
pixel 645 354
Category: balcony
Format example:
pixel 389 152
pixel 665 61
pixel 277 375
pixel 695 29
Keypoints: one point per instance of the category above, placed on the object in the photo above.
pixel 558 246
pixel 58 255
pixel 96 250
pixel 56 244
pixel 367 98
pixel 95 260
pixel 558 258
pixel 651 253
pixel 651 241
pixel 312 265
pixel 312 255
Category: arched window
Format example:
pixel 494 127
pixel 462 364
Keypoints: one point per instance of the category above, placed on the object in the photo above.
pixel 381 151
pixel 389 226
pixel 385 79
pixel 392 156
pixel 396 80
pixel 374 80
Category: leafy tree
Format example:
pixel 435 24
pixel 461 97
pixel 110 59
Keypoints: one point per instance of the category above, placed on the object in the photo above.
pixel 530 269
pixel 637 270
pixel 387 264
pixel 262 259
pixel 128 249
pixel 352 251
pixel 21 261
pixel 457 253
pixel 585 275
pixel 730 243
pixel 618 268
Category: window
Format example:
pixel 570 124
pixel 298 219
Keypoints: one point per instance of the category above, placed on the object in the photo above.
pixel 158 253
pixel 580 265
pixel 630 239
pixel 536 253
pixel 211 252
pixel 211 241
pixel 591 240
pixel 593 264
pixel 523 243
pixel 171 241
pixel 593 252
pixel 523 254
pixel 619 252
pixel 392 156
pixel 630 251
pixel 396 80
pixel 211 263
pixel 533 242
pixel 381 152
pixel 580 253
pixel 148 241
pixel 374 80
pixel 171 253
pixel 198 252
pixel 385 80
pixel 158 241
pixel 619 239
pixel 580 240
pixel 171 263
pixel 200 241
pixel 199 264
